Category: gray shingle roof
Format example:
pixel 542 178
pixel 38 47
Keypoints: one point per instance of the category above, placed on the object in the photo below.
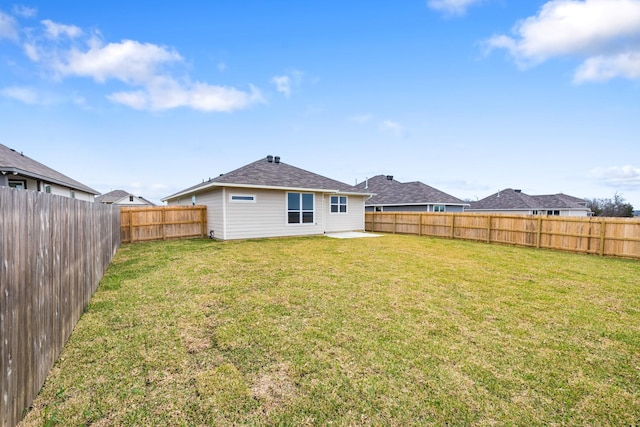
pixel 117 195
pixel 263 173
pixel 510 199
pixel 12 161
pixel 392 192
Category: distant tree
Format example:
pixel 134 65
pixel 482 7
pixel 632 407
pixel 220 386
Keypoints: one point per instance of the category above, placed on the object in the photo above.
pixel 616 207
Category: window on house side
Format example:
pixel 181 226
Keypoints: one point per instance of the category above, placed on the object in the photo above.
pixel 300 209
pixel 18 184
pixel 338 204
pixel 438 208
pixel 242 198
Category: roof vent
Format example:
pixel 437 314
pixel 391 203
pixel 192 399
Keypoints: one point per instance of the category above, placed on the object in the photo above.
pixel 277 159
pixel 518 191
pixel 389 177
pixel 270 158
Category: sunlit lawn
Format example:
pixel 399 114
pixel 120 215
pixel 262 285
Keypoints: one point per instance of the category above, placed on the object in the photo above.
pixel 395 330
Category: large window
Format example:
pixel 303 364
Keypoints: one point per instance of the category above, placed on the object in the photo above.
pixel 300 208
pixel 338 204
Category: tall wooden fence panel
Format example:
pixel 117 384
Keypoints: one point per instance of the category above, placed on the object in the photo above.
pixel 53 253
pixel 164 222
pixel 618 237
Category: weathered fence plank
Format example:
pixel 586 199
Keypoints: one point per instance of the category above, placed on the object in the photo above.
pixel 619 237
pixel 53 253
pixel 140 224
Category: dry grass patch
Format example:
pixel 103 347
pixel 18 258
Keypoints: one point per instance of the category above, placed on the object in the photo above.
pixel 398 330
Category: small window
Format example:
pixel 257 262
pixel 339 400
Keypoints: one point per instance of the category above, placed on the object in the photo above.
pixel 18 184
pixel 242 198
pixel 438 208
pixel 131 198
pixel 47 189
pixel 73 194
pixel 338 204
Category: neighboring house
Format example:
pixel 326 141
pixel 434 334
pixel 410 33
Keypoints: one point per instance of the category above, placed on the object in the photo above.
pixel 268 198
pixel 636 213
pixel 21 172
pixel 122 198
pixel 394 196
pixel 510 201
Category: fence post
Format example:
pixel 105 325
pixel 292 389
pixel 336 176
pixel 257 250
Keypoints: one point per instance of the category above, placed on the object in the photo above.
pixel 395 221
pixel 453 220
pixel 539 236
pixel 603 225
pixel 489 229
pixel 164 222
pixel 420 224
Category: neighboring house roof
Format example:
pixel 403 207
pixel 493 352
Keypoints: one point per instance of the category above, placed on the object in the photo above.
pixel 510 199
pixel 391 192
pixel 115 196
pixel 13 162
pixel 270 172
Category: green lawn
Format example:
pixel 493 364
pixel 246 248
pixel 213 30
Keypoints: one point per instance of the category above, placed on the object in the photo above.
pixel 396 330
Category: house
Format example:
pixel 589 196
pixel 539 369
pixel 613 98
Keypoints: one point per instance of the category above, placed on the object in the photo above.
pixel 269 198
pixel 22 172
pixel 123 198
pixel 394 196
pixel 510 201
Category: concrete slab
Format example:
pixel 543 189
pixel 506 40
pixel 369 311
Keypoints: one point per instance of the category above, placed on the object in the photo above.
pixel 351 235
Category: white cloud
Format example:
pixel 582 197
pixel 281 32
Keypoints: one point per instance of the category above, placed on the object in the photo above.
pixel 8 27
pixel 66 51
pixel 163 94
pixel 392 127
pixel 607 67
pixel 54 30
pixel 452 7
pixel 22 94
pixel 24 11
pixel 605 33
pixel 128 61
pixel 618 176
pixel 283 84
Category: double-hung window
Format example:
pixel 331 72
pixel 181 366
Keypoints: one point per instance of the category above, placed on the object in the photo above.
pixel 300 208
pixel 338 204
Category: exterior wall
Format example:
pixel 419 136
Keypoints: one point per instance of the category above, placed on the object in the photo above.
pixel 352 220
pixel 267 215
pixel 59 190
pixel 125 201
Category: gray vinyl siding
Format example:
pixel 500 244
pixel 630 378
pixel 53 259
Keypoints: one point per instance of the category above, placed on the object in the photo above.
pixel 267 217
pixel 352 220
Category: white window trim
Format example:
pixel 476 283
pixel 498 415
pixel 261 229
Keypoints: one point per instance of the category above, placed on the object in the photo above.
pixel 286 210
pixel 232 195
pixel 346 205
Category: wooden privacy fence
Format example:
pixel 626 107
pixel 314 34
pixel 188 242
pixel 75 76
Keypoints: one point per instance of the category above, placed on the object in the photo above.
pixel 53 253
pixel 139 224
pixel 618 237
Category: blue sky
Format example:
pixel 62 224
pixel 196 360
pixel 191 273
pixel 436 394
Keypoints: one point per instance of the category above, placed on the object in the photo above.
pixel 468 96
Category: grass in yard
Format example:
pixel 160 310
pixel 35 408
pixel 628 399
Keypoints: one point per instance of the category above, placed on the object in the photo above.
pixel 397 330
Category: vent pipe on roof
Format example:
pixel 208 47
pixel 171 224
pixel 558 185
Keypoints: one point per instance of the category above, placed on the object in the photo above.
pixel 518 191
pixel 277 159
pixel 270 158
pixel 389 177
